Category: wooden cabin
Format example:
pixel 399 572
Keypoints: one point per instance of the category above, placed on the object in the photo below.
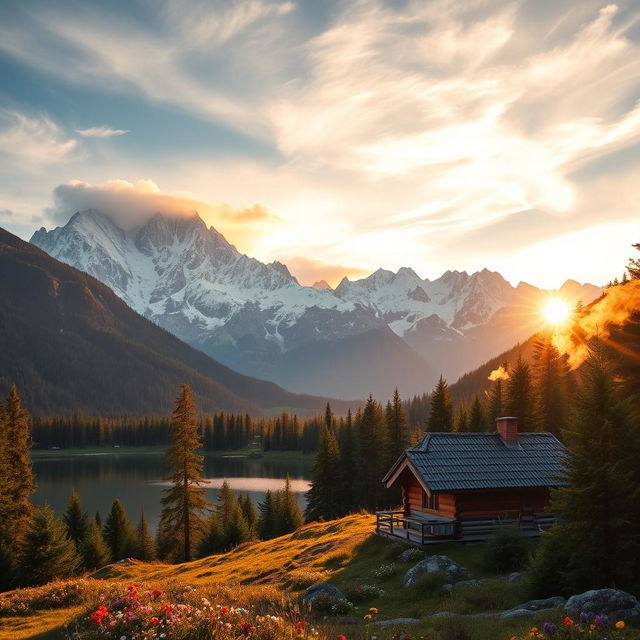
pixel 462 485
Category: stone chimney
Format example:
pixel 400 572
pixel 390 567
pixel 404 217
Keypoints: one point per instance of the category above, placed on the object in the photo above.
pixel 507 428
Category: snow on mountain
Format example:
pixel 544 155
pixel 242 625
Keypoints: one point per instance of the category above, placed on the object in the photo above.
pixel 258 319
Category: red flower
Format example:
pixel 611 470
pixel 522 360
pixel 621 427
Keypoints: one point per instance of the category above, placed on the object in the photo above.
pixel 568 621
pixel 156 593
pixel 342 637
pixel 301 624
pixel 224 610
pixel 100 613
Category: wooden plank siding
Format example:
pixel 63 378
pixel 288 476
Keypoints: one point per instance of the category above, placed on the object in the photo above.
pixel 446 501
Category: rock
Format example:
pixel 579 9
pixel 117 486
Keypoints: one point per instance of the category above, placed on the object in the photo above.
pixel 514 577
pixel 447 588
pixel 437 564
pixel 521 613
pixel 389 623
pixel 612 602
pixel 411 555
pixel 443 614
pixel 322 589
pixel 533 606
pixel 469 583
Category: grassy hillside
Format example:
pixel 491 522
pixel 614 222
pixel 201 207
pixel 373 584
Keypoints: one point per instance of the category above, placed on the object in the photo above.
pixel 270 576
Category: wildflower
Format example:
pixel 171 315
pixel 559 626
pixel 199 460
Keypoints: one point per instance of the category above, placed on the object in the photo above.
pixel 602 620
pixel 341 636
pixel 154 620
pixel 584 617
pixel 367 617
pixel 549 628
pixel 619 624
pixel 224 610
pixel 373 610
pixel 568 622
pixel 156 592
pixel 534 630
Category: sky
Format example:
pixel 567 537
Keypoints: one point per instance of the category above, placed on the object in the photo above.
pixel 337 137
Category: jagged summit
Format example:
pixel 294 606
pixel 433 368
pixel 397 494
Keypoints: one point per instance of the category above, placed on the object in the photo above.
pixel 368 335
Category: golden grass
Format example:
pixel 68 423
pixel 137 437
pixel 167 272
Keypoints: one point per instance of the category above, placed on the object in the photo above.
pixel 43 624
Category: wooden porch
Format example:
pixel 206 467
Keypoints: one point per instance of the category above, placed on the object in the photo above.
pixel 427 530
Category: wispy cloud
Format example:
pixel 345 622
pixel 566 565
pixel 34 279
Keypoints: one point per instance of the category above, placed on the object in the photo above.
pixel 101 132
pixel 34 141
pixel 309 271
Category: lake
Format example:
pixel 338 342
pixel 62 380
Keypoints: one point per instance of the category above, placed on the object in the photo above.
pixel 138 479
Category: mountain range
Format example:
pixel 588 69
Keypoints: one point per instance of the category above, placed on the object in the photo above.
pixel 71 345
pixel 366 336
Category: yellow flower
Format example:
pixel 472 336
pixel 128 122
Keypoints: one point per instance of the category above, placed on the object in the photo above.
pixel 534 629
pixel 367 617
pixel 373 610
pixel 620 624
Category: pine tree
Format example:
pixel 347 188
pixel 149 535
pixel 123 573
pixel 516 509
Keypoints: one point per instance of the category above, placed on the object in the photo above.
pixel 214 539
pixel 477 417
pixel 266 521
pixel 75 519
pixel 250 515
pixel 7 566
pixel 46 552
pixel 550 372
pixel 398 426
pixel 16 471
pixel 118 532
pixel 167 546
pixel 328 417
pixel 94 550
pixel 226 503
pixel 372 445
pixel 519 395
pixel 348 462
pixel 287 512
pixel 462 420
pixel 184 501
pixel 145 548
pixel 324 495
pixel 441 409
pixel 236 530
pixel 98 520
pixel 599 512
pixel 633 267
pixel 496 397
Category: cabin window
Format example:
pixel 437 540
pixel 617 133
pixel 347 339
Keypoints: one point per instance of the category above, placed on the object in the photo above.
pixel 431 502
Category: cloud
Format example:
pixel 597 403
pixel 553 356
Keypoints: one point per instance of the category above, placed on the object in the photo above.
pixel 130 205
pixel 6 214
pixel 101 132
pixel 309 271
pixel 34 141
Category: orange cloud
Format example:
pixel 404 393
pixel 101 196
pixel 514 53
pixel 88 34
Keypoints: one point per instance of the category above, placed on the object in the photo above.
pixel 130 205
pixel 309 271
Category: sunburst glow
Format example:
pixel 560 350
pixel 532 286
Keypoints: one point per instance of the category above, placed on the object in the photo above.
pixel 556 311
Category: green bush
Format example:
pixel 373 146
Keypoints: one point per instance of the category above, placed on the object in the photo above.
pixel 429 583
pixel 385 571
pixel 363 592
pixel 393 550
pixel 506 550
pixel 330 605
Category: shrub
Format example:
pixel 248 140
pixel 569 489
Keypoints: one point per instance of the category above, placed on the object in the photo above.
pixel 413 555
pixel 429 583
pixel 393 550
pixel 506 550
pixel 363 592
pixel 385 571
pixel 328 604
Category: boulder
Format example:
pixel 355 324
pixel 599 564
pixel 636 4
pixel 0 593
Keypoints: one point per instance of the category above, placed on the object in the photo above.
pixel 469 583
pixel 514 578
pixel 322 589
pixel 534 606
pixel 437 564
pixel 522 613
pixel 411 555
pixel 614 603
pixel 395 621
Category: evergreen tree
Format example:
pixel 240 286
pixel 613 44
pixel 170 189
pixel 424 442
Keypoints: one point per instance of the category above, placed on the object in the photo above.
pixel 75 519
pixel 93 549
pixel 266 521
pixel 98 520
pixel 496 397
pixel 477 417
pixel 323 497
pixel 236 530
pixel 398 426
pixel 250 515
pixel 214 539
pixel 118 532
pixel 599 512
pixel 145 548
pixel 372 444
pixel 348 462
pixel 462 420
pixel 328 417
pixel 441 409
pixel 519 395
pixel 226 503
pixel 166 541
pixel 16 473
pixel 185 501
pixel 46 553
pixel 288 515
pixel 633 267
pixel 550 371
pixel 7 566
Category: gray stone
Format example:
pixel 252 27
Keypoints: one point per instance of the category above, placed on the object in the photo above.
pixel 447 588
pixel 612 602
pixel 321 589
pixel 522 613
pixel 514 577
pixel 469 583
pixel 389 623
pixel 411 555
pixel 443 614
pixel 535 605
pixel 437 564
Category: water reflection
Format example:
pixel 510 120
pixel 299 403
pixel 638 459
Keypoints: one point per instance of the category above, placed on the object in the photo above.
pixel 138 479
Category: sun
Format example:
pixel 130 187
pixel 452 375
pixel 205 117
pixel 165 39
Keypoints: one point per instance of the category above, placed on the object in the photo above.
pixel 556 311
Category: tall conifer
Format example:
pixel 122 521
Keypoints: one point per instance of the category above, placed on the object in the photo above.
pixel 184 501
pixel 323 498
pixel 441 409
pixel 94 550
pixel 118 532
pixel 145 548
pixel 519 395
pixel 75 519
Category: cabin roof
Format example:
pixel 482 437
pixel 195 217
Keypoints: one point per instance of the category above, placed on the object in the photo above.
pixel 458 461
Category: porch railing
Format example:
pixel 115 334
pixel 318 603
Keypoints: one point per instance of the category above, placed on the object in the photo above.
pixel 420 530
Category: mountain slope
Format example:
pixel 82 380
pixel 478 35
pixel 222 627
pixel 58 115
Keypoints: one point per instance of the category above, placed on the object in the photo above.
pixel 71 344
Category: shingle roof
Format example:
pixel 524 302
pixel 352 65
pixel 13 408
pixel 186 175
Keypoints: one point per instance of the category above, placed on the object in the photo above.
pixel 455 461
